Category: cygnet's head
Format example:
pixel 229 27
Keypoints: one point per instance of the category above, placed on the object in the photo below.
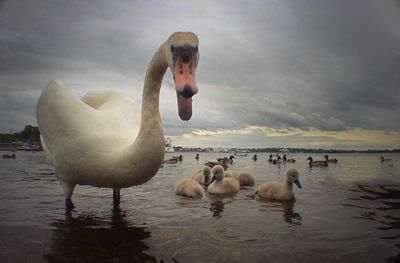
pixel 292 176
pixel 206 174
pixel 218 173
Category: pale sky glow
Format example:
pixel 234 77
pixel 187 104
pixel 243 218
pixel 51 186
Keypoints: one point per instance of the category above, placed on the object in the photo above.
pixel 306 73
pixel 309 139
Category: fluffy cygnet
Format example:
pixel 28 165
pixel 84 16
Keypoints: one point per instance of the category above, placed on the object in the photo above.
pixel 221 184
pixel 279 191
pixel 203 176
pixel 244 178
pixel 189 187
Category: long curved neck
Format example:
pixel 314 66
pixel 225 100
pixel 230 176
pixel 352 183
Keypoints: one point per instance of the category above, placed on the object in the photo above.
pixel 145 155
pixel 288 185
pixel 150 113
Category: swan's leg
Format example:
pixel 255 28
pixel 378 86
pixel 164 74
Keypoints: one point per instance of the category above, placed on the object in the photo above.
pixel 68 190
pixel 68 204
pixel 116 198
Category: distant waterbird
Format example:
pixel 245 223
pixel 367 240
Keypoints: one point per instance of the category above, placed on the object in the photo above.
pixel 330 160
pixel 385 159
pixel 224 162
pixel 9 156
pixel 312 163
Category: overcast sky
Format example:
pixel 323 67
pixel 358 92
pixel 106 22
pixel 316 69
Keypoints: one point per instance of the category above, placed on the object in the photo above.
pixel 304 73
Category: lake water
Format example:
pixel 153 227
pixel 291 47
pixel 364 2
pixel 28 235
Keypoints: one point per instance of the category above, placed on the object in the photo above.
pixel 347 212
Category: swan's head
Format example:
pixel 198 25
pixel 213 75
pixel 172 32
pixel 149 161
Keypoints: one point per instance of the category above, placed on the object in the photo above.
pixel 207 174
pixel 218 173
pixel 183 57
pixel 292 176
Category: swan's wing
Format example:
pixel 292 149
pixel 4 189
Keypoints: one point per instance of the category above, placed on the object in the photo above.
pixel 98 98
pixel 70 124
pixel 59 113
pixel 119 114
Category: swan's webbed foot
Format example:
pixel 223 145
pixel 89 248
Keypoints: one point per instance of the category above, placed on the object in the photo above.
pixel 116 198
pixel 68 204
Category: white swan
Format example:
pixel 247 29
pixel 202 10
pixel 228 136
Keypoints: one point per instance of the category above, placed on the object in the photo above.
pixel 189 187
pixel 221 184
pixel 203 176
pixel 279 191
pixel 103 139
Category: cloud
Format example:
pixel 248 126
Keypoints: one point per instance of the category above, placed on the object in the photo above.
pixel 330 66
pixel 265 137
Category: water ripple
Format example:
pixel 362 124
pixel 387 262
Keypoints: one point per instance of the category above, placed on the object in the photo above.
pixel 347 212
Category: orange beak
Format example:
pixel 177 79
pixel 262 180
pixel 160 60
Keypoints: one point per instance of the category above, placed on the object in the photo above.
pixel 185 86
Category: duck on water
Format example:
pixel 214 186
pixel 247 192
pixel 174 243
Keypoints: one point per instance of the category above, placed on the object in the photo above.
pixel 312 163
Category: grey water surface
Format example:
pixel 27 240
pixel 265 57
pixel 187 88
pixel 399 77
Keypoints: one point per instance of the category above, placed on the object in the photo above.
pixel 347 212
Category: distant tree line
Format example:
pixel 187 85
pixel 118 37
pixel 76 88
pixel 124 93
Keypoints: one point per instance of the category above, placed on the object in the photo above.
pixel 28 133
pixel 319 150
pixel 32 133
pixel 291 150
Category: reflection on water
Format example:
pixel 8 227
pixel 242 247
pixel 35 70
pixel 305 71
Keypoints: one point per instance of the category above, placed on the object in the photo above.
pixel 378 204
pixel 217 204
pixel 328 223
pixel 289 216
pixel 90 239
pixel 217 207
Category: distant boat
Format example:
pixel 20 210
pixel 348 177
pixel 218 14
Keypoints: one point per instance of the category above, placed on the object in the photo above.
pixel 29 146
pixel 168 145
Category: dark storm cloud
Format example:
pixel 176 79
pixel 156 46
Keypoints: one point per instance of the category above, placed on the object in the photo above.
pixel 67 35
pixel 330 65
pixel 66 40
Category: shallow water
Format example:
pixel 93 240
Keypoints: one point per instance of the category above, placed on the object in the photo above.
pixel 347 212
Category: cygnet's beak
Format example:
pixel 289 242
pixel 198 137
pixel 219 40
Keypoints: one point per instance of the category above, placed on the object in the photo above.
pixel 297 182
pixel 213 179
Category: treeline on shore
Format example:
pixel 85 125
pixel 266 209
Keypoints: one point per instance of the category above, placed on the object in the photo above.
pixel 32 133
pixel 303 150
pixel 290 150
pixel 28 133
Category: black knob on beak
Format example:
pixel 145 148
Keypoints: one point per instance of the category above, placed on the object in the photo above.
pixel 187 91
